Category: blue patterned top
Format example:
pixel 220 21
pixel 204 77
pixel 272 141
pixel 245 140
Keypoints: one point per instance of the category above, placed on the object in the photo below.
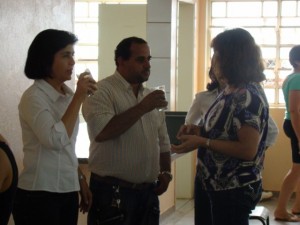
pixel 248 105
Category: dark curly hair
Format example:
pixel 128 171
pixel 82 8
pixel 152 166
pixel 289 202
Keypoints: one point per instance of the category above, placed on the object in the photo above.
pixel 123 48
pixel 41 52
pixel 238 57
pixel 294 55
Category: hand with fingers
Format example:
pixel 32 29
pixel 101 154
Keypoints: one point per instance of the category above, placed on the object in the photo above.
pixel 189 136
pixel 155 99
pixel 86 85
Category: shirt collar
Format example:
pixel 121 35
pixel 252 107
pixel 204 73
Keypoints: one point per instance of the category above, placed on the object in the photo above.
pixel 53 94
pixel 124 83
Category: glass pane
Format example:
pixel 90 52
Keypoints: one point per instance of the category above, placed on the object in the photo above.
pixel 284 52
pixel 215 31
pixel 270 9
pixel 290 35
pixel 270 63
pixel 270 21
pixel 285 65
pixel 87 32
pixel 270 79
pixel 288 8
pixel 284 59
pixel 281 97
pixel 93 7
pixel 282 75
pixel 238 22
pixel 218 9
pixel 268 52
pixel 290 22
pixel 263 35
pixel 81 9
pixel 270 93
pixel 244 9
pixel 86 52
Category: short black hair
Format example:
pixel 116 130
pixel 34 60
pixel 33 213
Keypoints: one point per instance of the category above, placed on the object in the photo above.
pixel 41 52
pixel 294 55
pixel 239 57
pixel 123 48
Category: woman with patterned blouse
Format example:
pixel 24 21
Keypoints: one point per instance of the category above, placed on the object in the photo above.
pixel 231 141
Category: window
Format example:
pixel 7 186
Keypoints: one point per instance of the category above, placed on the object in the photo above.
pixel 86 29
pixel 275 25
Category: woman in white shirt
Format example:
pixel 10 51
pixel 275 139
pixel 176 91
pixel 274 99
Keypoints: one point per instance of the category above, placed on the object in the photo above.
pixel 50 180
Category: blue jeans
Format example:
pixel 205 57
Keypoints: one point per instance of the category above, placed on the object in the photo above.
pixel 228 207
pixel 141 207
pixel 47 208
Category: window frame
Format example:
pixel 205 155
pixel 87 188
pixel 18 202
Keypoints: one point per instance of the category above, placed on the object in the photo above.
pixel 276 65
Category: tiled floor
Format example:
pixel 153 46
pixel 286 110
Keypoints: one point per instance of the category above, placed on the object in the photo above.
pixel 184 213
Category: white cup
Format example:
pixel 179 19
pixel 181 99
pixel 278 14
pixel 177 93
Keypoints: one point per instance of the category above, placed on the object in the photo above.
pixel 162 88
pixel 88 76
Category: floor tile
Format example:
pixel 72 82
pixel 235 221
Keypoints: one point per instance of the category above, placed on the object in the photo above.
pixel 184 213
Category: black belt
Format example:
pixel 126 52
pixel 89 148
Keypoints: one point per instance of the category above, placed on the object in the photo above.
pixel 121 183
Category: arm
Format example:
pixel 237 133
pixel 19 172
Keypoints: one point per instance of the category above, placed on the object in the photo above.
pixel 201 103
pixel 39 117
pixel 85 85
pixel 4 166
pixel 194 115
pixel 123 121
pixel 165 176
pixel 5 171
pixel 120 123
pixel 272 132
pixel 245 148
pixel 294 108
pixel 247 122
pixel 165 161
pixel 85 193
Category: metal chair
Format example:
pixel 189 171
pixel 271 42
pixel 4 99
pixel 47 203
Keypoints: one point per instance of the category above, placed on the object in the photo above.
pixel 260 213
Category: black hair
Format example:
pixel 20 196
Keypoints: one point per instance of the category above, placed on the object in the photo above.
pixel 214 82
pixel 41 52
pixel 239 58
pixel 294 55
pixel 123 48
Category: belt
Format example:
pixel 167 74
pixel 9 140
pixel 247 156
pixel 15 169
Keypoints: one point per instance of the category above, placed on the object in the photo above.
pixel 121 183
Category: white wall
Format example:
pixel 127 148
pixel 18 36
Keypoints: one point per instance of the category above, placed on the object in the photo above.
pixel 117 22
pixel 20 22
pixel 185 165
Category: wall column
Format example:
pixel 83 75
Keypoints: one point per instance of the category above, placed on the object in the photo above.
pixel 162 39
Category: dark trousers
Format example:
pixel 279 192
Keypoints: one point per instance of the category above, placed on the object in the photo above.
pixel 45 208
pixel 229 207
pixel 289 131
pixel 140 207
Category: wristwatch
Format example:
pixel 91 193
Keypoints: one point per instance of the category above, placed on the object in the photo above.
pixel 81 177
pixel 168 174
